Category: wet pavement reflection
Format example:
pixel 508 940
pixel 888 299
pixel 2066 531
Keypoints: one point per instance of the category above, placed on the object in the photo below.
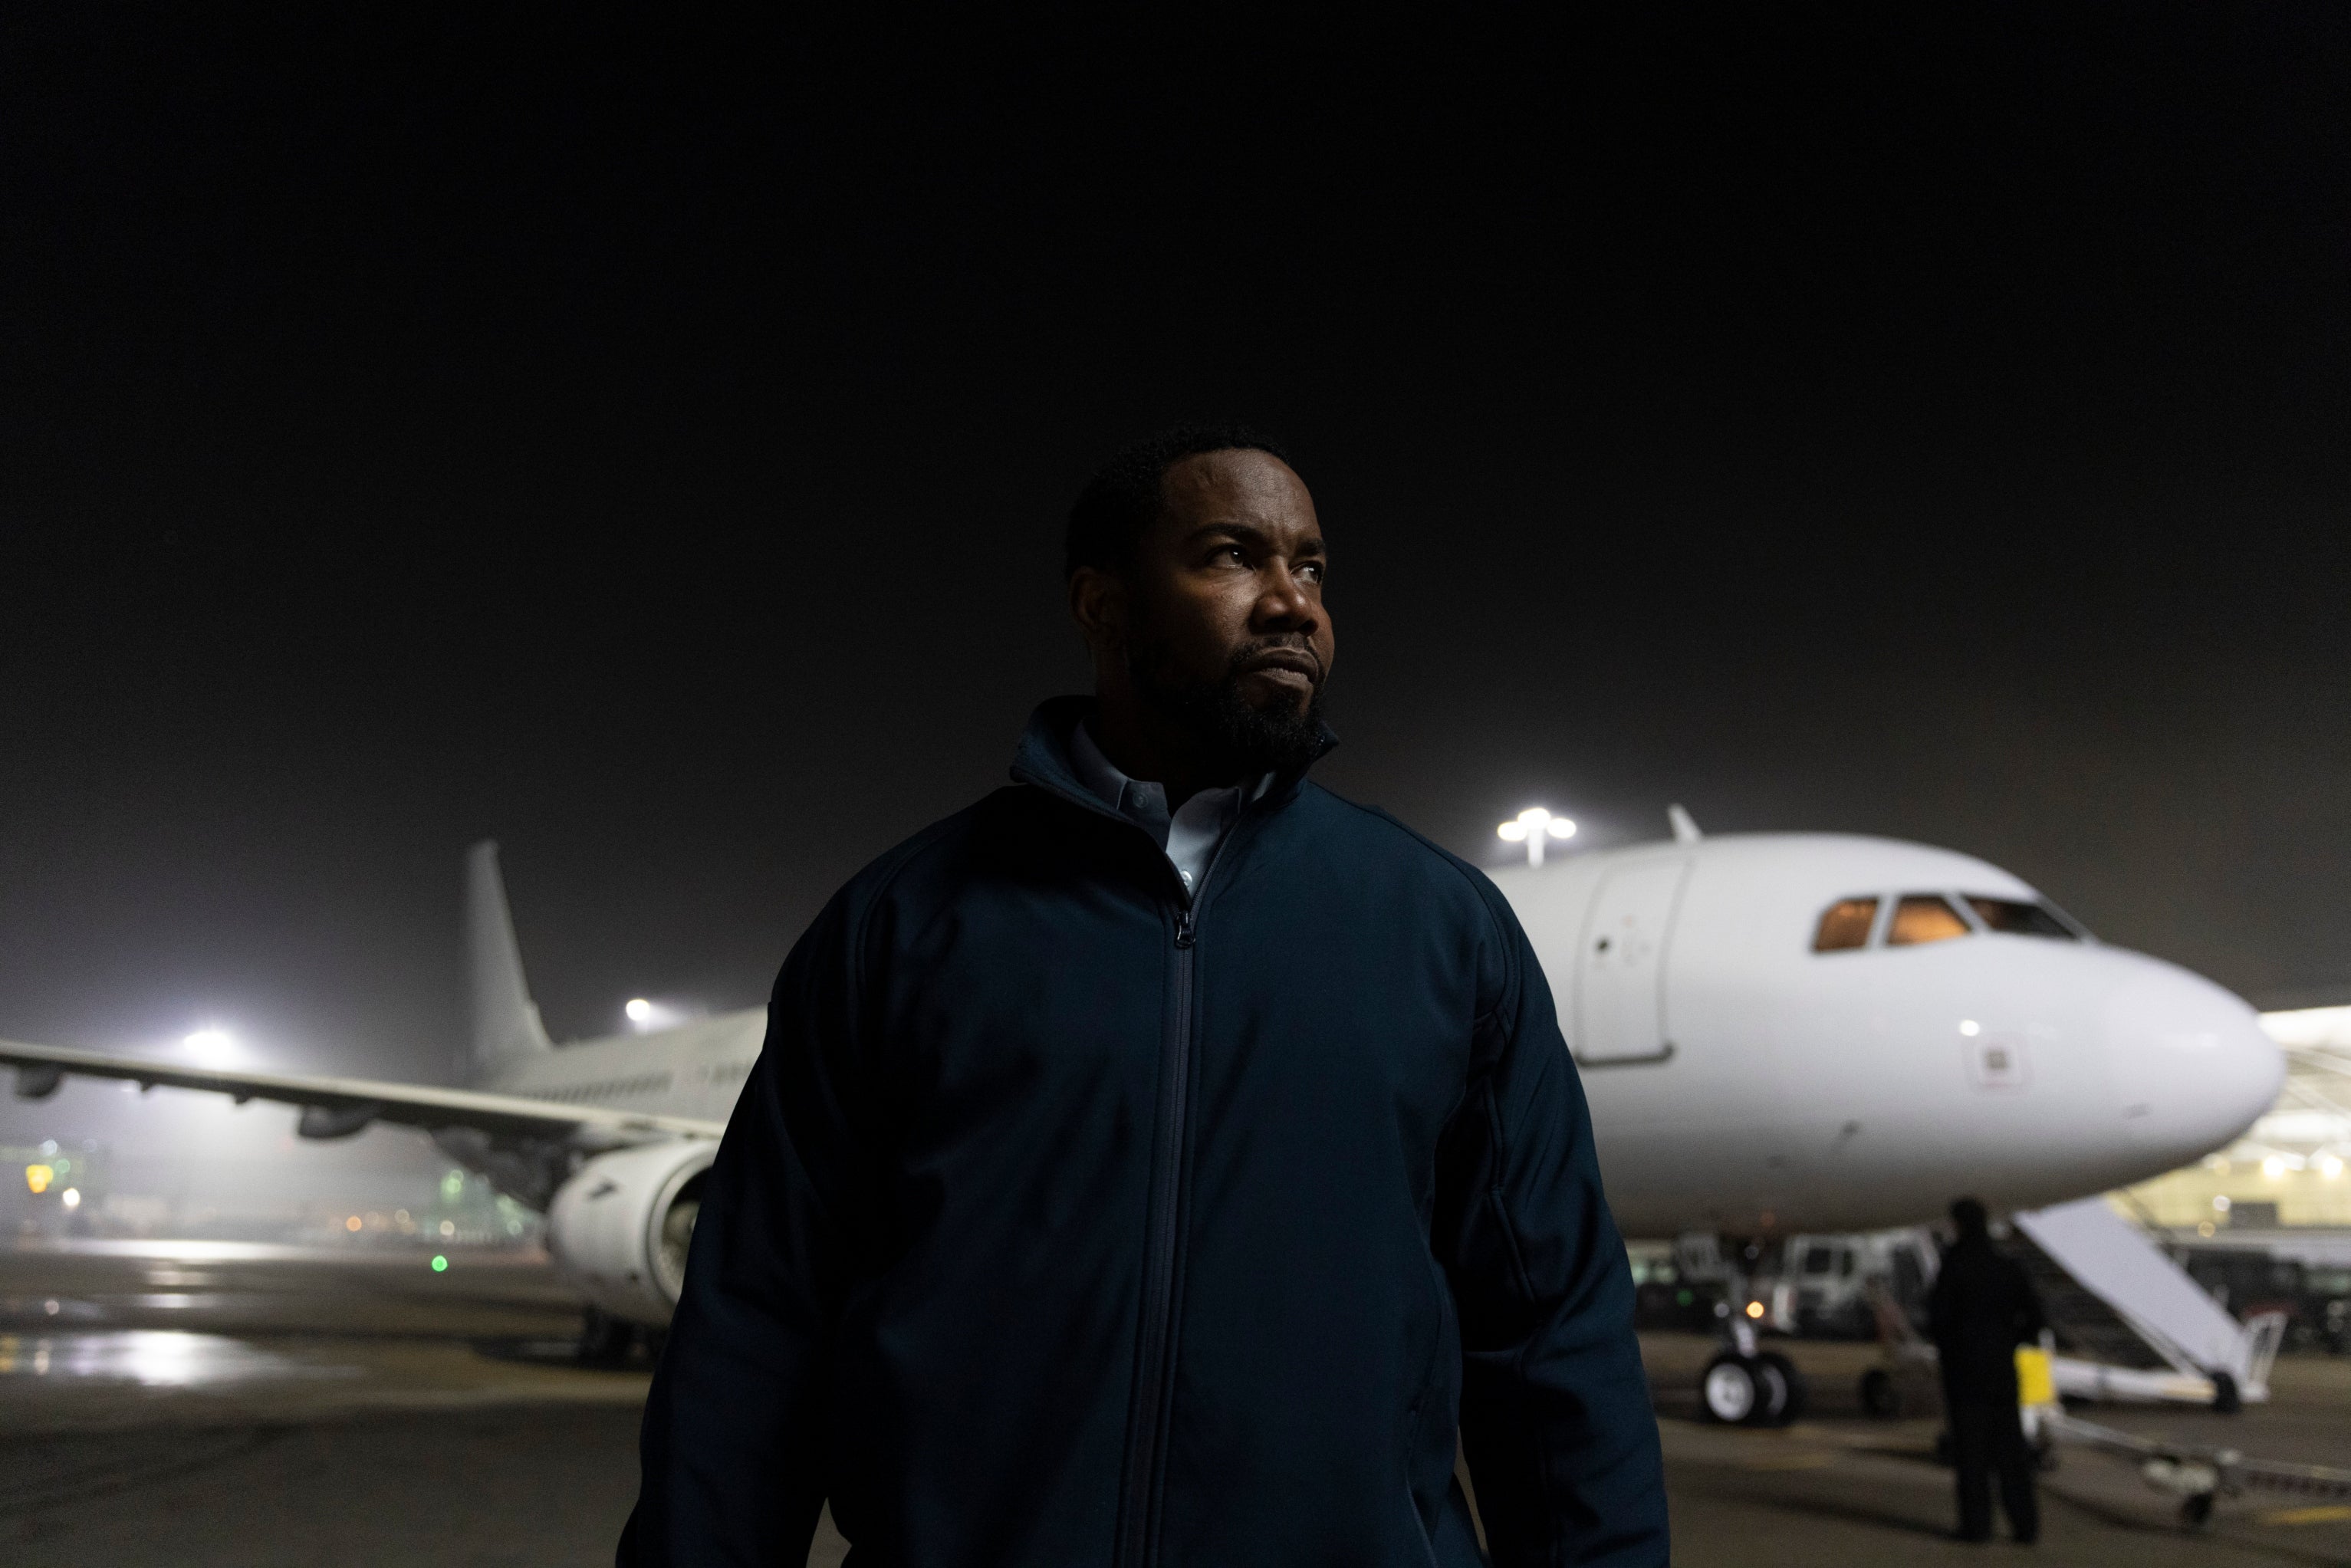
pixel 154 1358
pixel 104 1333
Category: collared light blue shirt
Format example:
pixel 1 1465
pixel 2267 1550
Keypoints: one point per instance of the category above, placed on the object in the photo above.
pixel 1191 833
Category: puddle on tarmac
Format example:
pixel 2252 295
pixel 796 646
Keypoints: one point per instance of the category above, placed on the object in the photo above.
pixel 152 1358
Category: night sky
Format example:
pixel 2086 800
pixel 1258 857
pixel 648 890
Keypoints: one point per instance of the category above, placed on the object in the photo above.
pixel 649 447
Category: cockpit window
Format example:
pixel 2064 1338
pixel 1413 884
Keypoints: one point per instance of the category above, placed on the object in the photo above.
pixel 1845 923
pixel 2019 918
pixel 1924 917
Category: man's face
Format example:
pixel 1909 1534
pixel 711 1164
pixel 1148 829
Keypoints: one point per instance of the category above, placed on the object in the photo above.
pixel 1226 628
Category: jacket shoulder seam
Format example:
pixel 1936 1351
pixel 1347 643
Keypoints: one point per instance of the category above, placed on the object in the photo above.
pixel 886 870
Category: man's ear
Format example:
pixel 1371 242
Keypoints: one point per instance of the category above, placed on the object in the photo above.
pixel 1098 603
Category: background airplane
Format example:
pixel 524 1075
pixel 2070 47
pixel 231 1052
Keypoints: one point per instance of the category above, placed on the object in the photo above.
pixel 1819 1031
pixel 1778 1034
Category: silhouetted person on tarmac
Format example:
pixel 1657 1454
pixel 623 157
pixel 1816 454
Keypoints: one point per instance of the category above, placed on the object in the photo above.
pixel 1982 1307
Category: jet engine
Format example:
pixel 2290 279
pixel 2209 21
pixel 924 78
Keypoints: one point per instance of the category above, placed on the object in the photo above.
pixel 619 1225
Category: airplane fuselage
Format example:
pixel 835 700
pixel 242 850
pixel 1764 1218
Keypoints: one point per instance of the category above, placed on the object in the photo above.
pixel 695 1069
pixel 1743 1080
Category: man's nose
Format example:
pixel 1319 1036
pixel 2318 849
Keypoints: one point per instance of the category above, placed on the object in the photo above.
pixel 1283 605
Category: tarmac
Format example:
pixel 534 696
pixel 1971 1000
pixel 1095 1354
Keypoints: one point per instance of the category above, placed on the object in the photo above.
pixel 198 1404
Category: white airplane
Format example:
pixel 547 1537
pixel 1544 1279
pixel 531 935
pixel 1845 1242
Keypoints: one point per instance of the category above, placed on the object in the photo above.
pixel 1778 1034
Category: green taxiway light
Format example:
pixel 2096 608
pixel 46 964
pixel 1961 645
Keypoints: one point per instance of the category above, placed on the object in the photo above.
pixel 440 1264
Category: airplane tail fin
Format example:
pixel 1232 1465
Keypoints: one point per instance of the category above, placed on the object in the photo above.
pixel 505 1020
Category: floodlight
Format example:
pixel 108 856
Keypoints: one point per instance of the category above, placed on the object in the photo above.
pixel 213 1048
pixel 1531 828
pixel 639 1009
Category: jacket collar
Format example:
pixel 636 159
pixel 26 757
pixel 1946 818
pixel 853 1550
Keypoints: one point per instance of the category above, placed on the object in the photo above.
pixel 1043 755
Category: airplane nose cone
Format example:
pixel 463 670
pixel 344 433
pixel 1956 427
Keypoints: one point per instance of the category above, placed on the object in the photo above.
pixel 2190 1062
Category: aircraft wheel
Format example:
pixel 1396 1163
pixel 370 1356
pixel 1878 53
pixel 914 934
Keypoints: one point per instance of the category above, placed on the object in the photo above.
pixel 2227 1398
pixel 604 1340
pixel 1728 1391
pixel 1881 1396
pixel 1784 1389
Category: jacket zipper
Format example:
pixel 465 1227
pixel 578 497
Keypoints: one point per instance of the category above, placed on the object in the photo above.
pixel 1138 1546
pixel 1155 1362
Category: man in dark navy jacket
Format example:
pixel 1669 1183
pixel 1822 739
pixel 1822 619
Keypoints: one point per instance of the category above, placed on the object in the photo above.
pixel 1164 1160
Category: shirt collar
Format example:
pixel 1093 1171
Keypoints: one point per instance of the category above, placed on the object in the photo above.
pixel 1042 758
pixel 1123 794
pixel 1095 771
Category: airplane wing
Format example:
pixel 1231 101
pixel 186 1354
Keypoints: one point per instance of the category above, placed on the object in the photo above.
pixel 337 1107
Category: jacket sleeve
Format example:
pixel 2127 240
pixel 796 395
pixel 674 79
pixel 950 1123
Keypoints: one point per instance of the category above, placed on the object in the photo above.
pixel 734 1440
pixel 1556 1413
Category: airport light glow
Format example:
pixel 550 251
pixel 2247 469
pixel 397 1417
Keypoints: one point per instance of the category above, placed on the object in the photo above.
pixel 70 1197
pixel 440 1264
pixel 647 1016
pixel 1535 827
pixel 37 1178
pixel 213 1048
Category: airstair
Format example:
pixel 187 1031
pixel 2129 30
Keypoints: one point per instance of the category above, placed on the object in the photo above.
pixel 2130 1323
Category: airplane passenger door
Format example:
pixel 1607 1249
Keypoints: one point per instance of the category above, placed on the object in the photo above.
pixel 1620 976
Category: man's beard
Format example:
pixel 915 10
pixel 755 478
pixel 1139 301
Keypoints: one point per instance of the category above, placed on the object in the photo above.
pixel 1242 741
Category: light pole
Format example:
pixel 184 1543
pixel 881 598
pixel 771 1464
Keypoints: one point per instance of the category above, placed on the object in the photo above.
pixel 1535 827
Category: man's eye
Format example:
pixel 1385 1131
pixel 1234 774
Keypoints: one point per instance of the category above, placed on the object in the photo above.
pixel 1311 570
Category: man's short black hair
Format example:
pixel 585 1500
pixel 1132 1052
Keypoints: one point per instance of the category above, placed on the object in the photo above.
pixel 1126 494
pixel 1969 1217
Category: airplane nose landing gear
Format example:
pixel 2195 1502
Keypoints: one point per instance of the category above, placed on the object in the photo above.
pixel 1728 1390
pixel 1745 1384
pixel 1763 1390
